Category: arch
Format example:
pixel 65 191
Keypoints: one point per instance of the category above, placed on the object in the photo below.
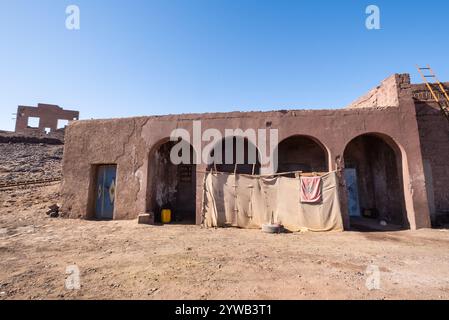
pixel 172 184
pixel 374 179
pixel 302 153
pixel 228 156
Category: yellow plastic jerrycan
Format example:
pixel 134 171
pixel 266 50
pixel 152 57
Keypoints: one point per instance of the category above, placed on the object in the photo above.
pixel 166 215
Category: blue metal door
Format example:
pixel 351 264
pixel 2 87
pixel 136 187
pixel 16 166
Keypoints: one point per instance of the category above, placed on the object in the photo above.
pixel 353 192
pixel 106 186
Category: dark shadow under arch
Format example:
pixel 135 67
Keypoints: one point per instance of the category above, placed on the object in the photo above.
pixel 302 153
pixel 171 186
pixel 373 173
pixel 250 158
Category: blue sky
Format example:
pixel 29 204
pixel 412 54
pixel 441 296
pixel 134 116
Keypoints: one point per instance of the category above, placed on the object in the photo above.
pixel 149 57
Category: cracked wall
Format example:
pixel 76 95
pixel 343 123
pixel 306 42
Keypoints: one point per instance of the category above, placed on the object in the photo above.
pixel 129 142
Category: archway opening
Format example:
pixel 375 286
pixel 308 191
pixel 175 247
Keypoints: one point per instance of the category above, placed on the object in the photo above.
pixel 373 173
pixel 301 153
pixel 172 185
pixel 235 155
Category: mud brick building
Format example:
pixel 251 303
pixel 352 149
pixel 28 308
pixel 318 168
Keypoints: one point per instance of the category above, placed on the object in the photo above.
pixel 393 144
pixel 48 118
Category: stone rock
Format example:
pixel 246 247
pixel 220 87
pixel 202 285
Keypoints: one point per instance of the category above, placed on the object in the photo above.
pixel 54 215
pixel 54 207
pixel 54 211
pixel 145 218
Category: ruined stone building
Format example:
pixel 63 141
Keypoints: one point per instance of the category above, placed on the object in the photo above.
pixel 393 144
pixel 45 118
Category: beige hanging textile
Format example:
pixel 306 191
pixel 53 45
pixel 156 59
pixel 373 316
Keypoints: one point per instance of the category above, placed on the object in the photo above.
pixel 248 201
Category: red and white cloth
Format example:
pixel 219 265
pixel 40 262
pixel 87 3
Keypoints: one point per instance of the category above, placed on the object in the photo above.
pixel 310 190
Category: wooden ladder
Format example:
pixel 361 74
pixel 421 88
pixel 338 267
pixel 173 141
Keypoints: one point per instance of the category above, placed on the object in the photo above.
pixel 436 88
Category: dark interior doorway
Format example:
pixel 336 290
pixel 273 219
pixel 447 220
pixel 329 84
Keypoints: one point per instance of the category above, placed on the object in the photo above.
pixel 373 172
pixel 172 186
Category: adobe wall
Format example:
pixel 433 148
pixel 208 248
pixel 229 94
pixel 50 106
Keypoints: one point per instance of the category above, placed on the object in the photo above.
pixel 434 136
pixel 48 117
pixel 384 95
pixel 129 142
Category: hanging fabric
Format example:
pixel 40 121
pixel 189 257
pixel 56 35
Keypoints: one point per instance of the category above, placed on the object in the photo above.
pixel 310 190
pixel 247 201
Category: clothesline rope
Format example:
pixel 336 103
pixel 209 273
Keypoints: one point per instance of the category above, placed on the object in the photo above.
pixel 301 173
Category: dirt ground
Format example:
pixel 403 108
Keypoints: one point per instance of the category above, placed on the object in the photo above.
pixel 124 260
pixel 28 161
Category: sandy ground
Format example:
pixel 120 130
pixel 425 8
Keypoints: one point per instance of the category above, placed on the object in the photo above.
pixel 124 260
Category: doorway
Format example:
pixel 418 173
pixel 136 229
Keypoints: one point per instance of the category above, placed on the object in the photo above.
pixel 105 192
pixel 374 182
pixel 172 186
pixel 353 192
